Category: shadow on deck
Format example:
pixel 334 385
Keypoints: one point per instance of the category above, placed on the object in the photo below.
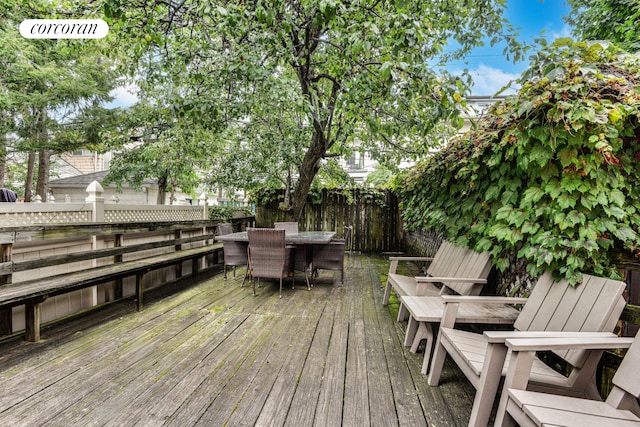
pixel 209 353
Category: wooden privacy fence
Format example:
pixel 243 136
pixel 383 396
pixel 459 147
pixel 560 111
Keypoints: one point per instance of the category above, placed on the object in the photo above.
pixel 374 215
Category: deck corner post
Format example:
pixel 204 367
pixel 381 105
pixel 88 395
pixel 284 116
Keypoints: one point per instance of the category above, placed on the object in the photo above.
pixel 139 291
pixel 33 319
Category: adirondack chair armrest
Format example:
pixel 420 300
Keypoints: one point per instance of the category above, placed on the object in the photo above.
pixel 452 303
pixel 429 279
pixel 410 258
pixel 590 341
pixel 488 299
pixel 503 336
pixel 394 260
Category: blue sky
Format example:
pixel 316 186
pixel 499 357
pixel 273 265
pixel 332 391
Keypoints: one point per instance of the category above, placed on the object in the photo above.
pixel 489 68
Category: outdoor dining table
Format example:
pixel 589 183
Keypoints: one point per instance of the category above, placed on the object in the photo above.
pixel 300 238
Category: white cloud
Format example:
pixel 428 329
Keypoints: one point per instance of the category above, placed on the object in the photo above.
pixel 487 81
pixel 124 96
pixel 563 33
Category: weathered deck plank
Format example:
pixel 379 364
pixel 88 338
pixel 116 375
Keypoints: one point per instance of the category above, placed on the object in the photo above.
pixel 330 383
pixel 212 354
pixel 407 404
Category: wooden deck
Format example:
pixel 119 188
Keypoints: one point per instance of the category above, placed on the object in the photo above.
pixel 211 354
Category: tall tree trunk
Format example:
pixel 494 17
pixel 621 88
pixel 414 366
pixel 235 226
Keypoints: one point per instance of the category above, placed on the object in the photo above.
pixel 287 192
pixel 44 166
pixel 3 160
pixel 40 137
pixel 28 185
pixel 307 171
pixel 173 192
pixel 162 188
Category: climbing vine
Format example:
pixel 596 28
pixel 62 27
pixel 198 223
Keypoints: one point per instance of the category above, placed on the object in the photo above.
pixel 551 174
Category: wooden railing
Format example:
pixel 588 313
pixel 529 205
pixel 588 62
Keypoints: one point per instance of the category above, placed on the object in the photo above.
pixel 66 268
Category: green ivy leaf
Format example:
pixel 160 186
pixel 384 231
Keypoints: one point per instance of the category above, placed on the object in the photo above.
pixel 625 234
pixel 617 197
pixel 588 231
pixel 531 195
pixel 553 188
pixel 493 193
pixel 530 227
pixel 615 212
pixel 571 181
pixel 566 201
pixel 540 154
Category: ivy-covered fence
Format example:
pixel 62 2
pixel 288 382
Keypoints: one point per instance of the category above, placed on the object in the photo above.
pixel 374 215
pixel 549 179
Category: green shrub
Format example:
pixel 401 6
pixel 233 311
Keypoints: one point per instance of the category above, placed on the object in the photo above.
pixel 225 213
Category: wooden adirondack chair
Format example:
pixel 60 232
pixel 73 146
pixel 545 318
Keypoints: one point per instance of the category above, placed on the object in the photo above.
pixel 593 306
pixel 529 408
pixel 460 271
pixel 425 314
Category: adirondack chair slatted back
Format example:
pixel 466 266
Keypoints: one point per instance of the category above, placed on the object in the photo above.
pixel 593 305
pixel 627 376
pixel 472 265
pixel 444 260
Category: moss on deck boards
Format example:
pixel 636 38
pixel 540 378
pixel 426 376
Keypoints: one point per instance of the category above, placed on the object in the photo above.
pixel 209 353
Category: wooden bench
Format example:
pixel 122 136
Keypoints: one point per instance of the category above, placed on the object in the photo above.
pixel 171 244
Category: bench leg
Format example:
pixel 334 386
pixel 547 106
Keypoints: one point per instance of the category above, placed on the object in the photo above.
pixel 195 266
pixel 33 319
pixel 139 291
pixel 423 332
pixel 117 291
pixel 6 321
pixel 410 334
pixel 387 294
pixel 402 313
pixel 426 330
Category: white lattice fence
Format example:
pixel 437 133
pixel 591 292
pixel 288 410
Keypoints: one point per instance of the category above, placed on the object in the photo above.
pixel 16 214
pixel 95 210
pixel 123 213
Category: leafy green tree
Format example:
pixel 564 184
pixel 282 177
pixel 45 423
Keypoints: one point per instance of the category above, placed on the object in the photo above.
pixel 551 174
pixel 380 177
pixel 152 142
pixel 360 69
pixel 613 20
pixel 49 88
pixel 264 149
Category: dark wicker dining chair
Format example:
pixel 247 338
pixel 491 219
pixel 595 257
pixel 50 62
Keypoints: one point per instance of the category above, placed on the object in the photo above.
pixel 235 253
pixel 269 256
pixel 331 255
pixel 289 227
pixel 301 254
